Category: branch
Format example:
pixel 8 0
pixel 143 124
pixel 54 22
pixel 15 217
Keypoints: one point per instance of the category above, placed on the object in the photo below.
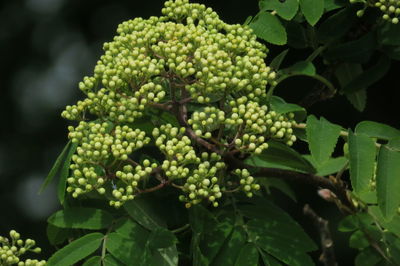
pixel 318 181
pixel 328 254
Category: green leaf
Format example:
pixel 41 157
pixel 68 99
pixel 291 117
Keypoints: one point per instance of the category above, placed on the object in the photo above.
pixel 312 10
pixel 76 250
pixel 285 9
pixel 377 130
pixel 322 137
pixel 296 35
pixel 83 218
pixel 93 261
pixel 229 252
pixel 346 73
pixel 333 165
pixel 358 99
pixel 248 255
pixel 109 260
pixel 280 185
pixel 302 67
pixel 337 25
pixel 393 225
pixel 141 211
pixel 368 76
pixel 368 257
pixel 279 155
pixel 57 235
pixel 358 240
pixel 362 153
pixel 128 228
pixel 129 250
pixel 211 233
pixel 56 167
pixel 358 51
pixel 388 181
pixel 169 256
pixel 349 224
pixel 64 173
pixel 277 239
pixel 272 223
pixel 281 107
pixel 161 238
pixel 389 34
pixel 268 259
pixel 277 61
pixel 269 28
pixel 334 4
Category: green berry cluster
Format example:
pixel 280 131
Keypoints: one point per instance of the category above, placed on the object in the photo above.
pixel 10 251
pixel 178 150
pixel 203 183
pixel 247 182
pixel 98 144
pixel 206 121
pixel 389 8
pixel 254 125
pixel 192 69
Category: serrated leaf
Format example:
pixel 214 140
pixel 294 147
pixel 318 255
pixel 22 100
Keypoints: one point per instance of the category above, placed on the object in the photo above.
pixel 277 61
pixel 302 67
pixel 56 167
pixel 280 185
pixel 357 51
pixel 334 4
pixel 389 34
pixel 362 153
pixel 57 235
pixel 269 28
pixel 296 35
pixel 142 212
pixel 285 9
pixel 268 259
pixel 358 240
pixel 312 10
pixel 109 260
pixel 83 218
pixel 279 155
pixel 274 223
pixel 161 238
pixel 231 248
pixel 280 106
pixel 248 256
pixel 388 181
pixel 368 257
pixel 212 233
pixel 93 261
pixel 128 250
pixel 64 173
pixel 337 25
pixel 377 130
pixel 276 241
pixel 331 166
pixel 322 137
pixel 368 76
pixel 76 250
pixel 169 256
pixel 358 99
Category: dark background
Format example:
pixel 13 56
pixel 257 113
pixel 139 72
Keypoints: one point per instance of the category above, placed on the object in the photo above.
pixel 47 46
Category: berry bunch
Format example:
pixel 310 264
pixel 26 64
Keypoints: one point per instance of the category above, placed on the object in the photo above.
pixel 203 182
pixel 193 68
pixel 10 251
pixel 389 8
pixel 247 182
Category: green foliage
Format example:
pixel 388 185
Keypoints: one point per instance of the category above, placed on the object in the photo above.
pixel 181 138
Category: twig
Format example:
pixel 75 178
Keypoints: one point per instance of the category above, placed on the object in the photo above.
pixel 328 254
